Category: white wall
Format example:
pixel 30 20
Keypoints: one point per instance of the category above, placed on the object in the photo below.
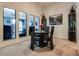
pixel 77 13
pixel 61 31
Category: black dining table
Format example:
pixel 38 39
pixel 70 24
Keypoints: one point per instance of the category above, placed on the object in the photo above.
pixel 41 33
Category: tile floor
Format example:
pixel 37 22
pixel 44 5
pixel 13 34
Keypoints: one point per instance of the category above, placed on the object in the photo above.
pixel 62 47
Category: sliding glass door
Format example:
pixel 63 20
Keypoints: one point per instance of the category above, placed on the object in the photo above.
pixel 9 24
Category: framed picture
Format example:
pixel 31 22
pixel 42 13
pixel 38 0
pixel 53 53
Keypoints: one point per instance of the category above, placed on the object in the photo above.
pixel 55 19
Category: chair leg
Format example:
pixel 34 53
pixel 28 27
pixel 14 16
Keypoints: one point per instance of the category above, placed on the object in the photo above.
pixel 32 44
pixel 32 48
pixel 47 41
pixel 51 44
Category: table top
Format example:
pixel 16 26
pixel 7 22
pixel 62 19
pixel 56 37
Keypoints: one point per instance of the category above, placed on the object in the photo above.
pixel 41 32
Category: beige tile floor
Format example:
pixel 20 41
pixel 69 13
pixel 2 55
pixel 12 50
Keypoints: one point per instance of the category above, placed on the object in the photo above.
pixel 62 47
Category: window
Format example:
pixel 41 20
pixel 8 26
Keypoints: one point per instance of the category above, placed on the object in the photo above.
pixel 31 24
pixel 9 24
pixel 37 23
pixel 22 24
pixel 31 20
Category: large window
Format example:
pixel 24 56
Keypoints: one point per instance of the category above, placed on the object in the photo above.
pixel 9 24
pixel 31 24
pixel 37 23
pixel 22 24
pixel 31 20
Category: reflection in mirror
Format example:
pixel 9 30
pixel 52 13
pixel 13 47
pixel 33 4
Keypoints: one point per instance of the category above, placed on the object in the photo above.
pixel 22 24
pixel 37 23
pixel 31 24
pixel 9 24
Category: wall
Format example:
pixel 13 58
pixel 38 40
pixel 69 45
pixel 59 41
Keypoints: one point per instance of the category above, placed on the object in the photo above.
pixel 61 31
pixel 30 8
pixel 77 25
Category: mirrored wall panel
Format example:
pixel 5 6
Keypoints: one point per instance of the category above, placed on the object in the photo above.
pixel 31 24
pixel 37 23
pixel 22 24
pixel 9 24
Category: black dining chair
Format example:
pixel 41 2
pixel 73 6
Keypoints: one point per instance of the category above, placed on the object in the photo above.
pixel 35 39
pixel 45 36
pixel 49 39
pixel 31 29
pixel 32 41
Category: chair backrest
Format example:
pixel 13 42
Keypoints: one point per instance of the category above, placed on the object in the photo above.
pixel 45 28
pixel 51 38
pixel 32 35
pixel 52 31
pixel 31 29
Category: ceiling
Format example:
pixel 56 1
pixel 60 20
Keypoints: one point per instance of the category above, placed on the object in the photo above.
pixel 45 4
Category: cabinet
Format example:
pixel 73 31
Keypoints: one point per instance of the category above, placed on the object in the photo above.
pixel 43 21
pixel 72 25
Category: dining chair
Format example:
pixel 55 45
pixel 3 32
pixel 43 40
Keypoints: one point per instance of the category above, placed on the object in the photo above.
pixel 32 41
pixel 31 29
pixel 49 39
pixel 45 36
pixel 35 39
pixel 45 28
